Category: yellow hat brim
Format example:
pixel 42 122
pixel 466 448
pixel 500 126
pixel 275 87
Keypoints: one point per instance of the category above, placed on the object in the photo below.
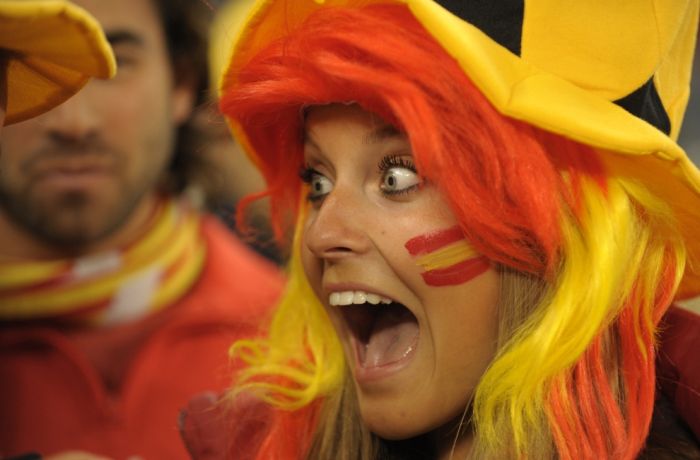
pixel 521 90
pixel 53 49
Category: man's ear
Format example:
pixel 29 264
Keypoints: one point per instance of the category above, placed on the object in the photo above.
pixel 184 97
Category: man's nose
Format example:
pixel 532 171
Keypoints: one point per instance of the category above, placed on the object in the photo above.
pixel 75 120
pixel 338 228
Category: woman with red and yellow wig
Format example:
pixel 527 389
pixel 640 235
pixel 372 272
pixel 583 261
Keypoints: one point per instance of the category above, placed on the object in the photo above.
pixel 491 218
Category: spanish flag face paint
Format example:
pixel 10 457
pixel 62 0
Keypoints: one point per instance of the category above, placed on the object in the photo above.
pixel 446 258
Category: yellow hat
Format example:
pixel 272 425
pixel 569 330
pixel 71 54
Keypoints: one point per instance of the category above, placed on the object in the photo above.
pixel 614 75
pixel 53 47
pixel 225 27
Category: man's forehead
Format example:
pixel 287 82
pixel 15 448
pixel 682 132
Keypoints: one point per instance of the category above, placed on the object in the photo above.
pixel 136 16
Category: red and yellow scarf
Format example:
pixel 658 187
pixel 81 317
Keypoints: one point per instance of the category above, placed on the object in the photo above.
pixel 114 286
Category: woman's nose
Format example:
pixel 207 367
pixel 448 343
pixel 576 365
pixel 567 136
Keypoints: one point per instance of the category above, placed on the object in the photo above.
pixel 338 228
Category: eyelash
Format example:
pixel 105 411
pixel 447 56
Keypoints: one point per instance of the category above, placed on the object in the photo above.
pixel 395 161
pixel 305 173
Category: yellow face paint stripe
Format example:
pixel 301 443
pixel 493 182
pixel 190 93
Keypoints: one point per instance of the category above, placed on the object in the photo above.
pixel 447 256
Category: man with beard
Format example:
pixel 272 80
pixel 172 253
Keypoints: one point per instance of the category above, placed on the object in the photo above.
pixel 118 300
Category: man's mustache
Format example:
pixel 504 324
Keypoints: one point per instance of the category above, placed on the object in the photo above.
pixel 58 153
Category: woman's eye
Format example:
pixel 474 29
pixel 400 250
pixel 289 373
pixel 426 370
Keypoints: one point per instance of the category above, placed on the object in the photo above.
pixel 319 185
pixel 398 175
pixel 399 180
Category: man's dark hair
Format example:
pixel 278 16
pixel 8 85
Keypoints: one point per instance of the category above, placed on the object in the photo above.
pixel 186 27
pixel 4 57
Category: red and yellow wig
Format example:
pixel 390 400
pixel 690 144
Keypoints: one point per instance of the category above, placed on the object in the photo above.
pixel 574 374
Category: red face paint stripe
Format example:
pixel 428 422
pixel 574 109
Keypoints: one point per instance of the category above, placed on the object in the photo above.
pixel 430 242
pixel 458 273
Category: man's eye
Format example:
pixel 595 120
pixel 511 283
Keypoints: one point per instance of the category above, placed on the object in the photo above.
pixel 398 180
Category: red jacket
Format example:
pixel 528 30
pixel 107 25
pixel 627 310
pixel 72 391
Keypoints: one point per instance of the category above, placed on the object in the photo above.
pixel 52 398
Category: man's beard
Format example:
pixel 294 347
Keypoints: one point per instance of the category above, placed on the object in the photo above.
pixel 69 221
pixel 72 219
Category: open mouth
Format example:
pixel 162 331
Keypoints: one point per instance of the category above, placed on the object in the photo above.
pixel 384 331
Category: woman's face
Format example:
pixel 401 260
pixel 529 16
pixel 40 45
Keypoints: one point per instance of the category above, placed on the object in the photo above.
pixel 414 307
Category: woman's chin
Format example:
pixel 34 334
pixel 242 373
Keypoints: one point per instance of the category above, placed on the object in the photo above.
pixel 394 427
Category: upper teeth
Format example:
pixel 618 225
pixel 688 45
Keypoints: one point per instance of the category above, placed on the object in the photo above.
pixel 356 297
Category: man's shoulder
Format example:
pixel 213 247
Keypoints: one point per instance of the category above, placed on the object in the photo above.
pixel 227 253
pixel 234 280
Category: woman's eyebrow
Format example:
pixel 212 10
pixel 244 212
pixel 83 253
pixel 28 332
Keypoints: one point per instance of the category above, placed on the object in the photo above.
pixel 382 133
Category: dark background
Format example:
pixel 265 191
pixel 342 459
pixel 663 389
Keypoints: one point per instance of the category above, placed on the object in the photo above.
pixel 690 132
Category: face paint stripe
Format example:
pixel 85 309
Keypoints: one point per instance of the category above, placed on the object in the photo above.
pixel 425 244
pixel 446 257
pixel 457 274
pixel 449 255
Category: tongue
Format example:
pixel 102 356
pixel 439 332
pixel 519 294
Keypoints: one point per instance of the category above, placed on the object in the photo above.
pixel 393 336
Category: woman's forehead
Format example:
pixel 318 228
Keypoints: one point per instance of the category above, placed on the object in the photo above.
pixel 377 129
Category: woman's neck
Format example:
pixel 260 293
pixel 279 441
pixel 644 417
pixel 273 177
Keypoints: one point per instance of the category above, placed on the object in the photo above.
pixel 449 445
pixel 455 450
